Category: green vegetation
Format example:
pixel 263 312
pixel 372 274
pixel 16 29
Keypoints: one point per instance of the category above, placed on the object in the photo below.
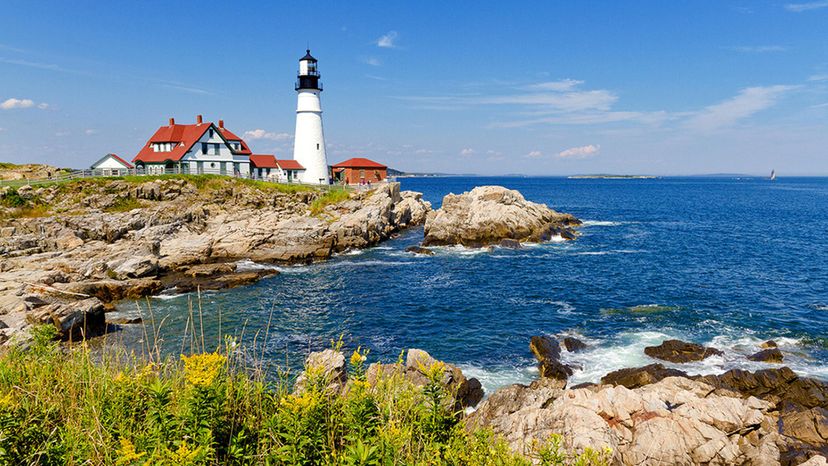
pixel 66 406
pixel 8 165
pixel 125 204
pixel 333 196
pixel 12 199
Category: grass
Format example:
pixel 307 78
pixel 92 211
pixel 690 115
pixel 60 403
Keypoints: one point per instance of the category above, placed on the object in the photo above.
pixel 66 406
pixel 331 197
pixel 125 204
pixel 8 165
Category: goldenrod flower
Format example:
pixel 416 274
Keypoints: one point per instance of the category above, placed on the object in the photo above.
pixel 127 453
pixel 358 358
pixel 201 370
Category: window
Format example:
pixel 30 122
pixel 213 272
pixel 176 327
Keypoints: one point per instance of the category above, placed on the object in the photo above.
pixel 216 149
pixel 203 147
pixel 211 133
pixel 317 147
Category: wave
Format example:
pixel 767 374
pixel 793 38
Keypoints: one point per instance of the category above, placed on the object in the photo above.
pixel 819 307
pixel 248 265
pixel 356 263
pixel 601 223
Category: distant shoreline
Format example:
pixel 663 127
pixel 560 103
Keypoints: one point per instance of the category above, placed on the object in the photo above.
pixel 613 177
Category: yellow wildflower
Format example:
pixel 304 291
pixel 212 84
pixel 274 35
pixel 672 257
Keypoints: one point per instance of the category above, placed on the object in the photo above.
pixel 120 377
pixel 358 358
pixel 6 401
pixel 202 369
pixel 184 455
pixel 127 453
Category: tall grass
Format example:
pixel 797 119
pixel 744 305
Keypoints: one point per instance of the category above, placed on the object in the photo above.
pixel 71 406
pixel 332 196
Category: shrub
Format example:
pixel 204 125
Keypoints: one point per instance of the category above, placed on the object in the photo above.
pixel 332 196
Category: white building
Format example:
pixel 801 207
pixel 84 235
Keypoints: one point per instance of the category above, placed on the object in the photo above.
pixel 309 143
pixel 199 148
pixel 111 165
pixel 268 167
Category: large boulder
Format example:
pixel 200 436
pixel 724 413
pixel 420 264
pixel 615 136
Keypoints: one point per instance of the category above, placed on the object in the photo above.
pixel 768 355
pixel 467 392
pixel 486 215
pixel 640 376
pixel 547 351
pixel 680 351
pixel 74 320
pixel 326 368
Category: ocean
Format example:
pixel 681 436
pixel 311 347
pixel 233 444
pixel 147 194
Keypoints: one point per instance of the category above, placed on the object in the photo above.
pixel 727 262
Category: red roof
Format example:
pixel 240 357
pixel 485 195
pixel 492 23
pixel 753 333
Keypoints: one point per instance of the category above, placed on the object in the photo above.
pixel 290 164
pixel 184 137
pixel 115 156
pixel 263 161
pixel 231 136
pixel 359 162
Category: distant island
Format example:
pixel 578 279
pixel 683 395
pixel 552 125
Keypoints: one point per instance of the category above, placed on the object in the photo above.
pixel 402 174
pixel 613 177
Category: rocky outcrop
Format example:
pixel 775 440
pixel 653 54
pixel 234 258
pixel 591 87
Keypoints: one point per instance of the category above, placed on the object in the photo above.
pixel 640 376
pixel 679 351
pixel 487 215
pixel 547 351
pixel 772 355
pixel 175 234
pixel 574 345
pixel 467 392
pixel 328 368
pixel 674 421
pixel 323 367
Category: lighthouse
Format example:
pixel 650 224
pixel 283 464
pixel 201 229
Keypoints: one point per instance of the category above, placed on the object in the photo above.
pixel 309 143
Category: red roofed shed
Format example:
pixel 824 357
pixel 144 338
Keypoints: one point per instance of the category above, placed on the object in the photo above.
pixel 359 170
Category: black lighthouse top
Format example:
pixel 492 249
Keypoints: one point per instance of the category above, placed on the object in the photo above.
pixel 308 76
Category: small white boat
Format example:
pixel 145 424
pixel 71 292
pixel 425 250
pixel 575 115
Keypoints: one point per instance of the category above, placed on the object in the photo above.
pixel 773 175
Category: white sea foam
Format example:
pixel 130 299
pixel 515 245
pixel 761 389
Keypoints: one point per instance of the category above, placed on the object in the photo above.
pixel 248 265
pixel 499 377
pixel 601 223
pixel 819 307
pixel 166 296
pixel 366 263
pixel 459 250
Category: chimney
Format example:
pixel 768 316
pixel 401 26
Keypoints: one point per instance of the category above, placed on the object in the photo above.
pixel 221 124
pixel 198 119
pixel 172 121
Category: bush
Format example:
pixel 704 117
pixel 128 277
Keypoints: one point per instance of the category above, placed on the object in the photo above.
pixel 61 405
pixel 333 196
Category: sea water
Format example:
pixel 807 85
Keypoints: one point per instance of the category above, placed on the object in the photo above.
pixel 727 262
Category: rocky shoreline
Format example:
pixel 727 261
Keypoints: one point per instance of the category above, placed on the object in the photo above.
pixel 650 415
pixel 106 240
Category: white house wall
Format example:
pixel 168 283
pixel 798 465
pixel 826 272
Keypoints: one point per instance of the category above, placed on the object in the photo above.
pixel 225 156
pixel 110 162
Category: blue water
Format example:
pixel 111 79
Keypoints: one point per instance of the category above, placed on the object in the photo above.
pixel 730 262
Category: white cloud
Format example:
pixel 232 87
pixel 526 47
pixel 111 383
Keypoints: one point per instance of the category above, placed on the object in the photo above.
pixel 388 41
pixel 467 152
pixel 800 7
pixel 818 77
pixel 580 152
pixel 535 154
pixel 43 105
pixel 558 86
pixel 748 102
pixel 16 103
pixel 262 134
pixel 373 61
pixel 757 48
pixel 90 131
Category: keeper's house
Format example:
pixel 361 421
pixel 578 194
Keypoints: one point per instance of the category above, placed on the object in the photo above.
pixel 111 165
pixel 199 148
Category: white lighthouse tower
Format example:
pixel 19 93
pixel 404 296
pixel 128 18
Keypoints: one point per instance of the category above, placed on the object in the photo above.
pixel 309 143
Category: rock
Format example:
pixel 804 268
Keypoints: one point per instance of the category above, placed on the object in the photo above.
pixel 545 348
pixel 125 320
pixel 67 241
pixel 74 320
pixel 809 427
pixel 673 421
pixel 779 386
pixel 640 376
pixel 134 267
pixel 325 368
pixel 679 351
pixel 419 250
pixel 768 355
pixel 573 345
pixel 486 215
pixel 768 344
pixel 816 460
pixel 467 392
pixel 510 244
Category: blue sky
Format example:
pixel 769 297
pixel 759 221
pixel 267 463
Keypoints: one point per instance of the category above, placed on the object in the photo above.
pixel 551 88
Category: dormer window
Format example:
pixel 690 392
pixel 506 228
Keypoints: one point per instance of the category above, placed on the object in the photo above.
pixel 211 133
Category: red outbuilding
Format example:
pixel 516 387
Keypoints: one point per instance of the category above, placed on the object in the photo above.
pixel 359 171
